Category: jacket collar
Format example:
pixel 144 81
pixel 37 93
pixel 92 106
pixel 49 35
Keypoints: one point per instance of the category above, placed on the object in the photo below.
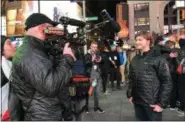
pixel 6 67
pixel 145 53
pixel 37 43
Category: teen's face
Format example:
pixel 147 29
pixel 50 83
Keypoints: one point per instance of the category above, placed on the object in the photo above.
pixel 142 43
pixel 9 49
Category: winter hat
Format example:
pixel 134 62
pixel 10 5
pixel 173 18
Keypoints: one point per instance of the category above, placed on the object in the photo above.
pixel 36 19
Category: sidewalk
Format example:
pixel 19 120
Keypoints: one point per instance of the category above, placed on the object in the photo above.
pixel 118 108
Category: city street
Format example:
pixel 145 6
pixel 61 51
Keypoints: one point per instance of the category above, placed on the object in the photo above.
pixel 118 108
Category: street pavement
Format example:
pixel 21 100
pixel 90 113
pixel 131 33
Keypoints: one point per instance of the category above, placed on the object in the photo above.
pixel 118 108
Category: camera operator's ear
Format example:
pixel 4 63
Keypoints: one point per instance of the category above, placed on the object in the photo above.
pixel 42 28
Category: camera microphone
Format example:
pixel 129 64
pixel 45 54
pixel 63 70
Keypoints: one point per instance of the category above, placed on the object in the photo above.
pixel 74 22
pixel 113 25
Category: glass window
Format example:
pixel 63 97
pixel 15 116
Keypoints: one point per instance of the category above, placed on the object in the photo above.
pixel 143 21
pixel 141 7
pixel 138 7
pixel 135 22
pixel 135 7
pixel 147 21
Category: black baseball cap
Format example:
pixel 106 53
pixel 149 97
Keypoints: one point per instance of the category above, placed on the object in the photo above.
pixel 36 19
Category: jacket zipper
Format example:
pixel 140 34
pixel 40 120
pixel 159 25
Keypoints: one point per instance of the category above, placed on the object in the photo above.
pixel 136 75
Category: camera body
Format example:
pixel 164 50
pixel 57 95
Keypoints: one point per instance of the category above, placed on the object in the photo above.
pixel 56 42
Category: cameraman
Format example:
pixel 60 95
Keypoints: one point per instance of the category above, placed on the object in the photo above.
pixel 92 60
pixel 38 79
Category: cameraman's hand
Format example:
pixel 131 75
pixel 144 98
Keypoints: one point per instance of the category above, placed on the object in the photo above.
pixel 68 51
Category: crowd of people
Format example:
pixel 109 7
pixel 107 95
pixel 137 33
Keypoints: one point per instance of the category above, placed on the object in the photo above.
pixel 37 82
pixel 154 82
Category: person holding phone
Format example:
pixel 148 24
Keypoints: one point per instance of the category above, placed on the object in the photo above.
pixel 92 66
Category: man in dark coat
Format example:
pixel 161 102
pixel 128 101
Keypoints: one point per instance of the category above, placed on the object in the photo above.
pixel 150 81
pixel 181 78
pixel 114 67
pixel 38 78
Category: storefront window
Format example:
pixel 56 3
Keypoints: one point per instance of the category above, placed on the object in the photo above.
pixel 141 17
pixel 15 17
pixel 142 21
pixel 141 7
pixel 135 22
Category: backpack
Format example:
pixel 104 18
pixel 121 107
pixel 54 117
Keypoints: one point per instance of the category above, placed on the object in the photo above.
pixel 78 68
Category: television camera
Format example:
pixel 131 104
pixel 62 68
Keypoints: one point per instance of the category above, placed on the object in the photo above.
pixel 77 39
pixel 57 38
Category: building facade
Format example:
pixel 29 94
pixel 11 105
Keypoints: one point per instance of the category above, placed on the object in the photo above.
pixel 146 16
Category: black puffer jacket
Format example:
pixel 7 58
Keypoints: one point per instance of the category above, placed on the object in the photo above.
pixel 39 83
pixel 89 64
pixel 150 80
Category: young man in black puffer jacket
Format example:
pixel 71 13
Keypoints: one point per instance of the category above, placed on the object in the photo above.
pixel 150 81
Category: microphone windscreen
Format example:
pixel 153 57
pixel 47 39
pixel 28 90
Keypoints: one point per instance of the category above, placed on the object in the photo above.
pixel 115 26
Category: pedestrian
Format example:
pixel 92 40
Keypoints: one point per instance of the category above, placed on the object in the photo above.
pixel 115 67
pixel 38 77
pixel 92 62
pixel 7 52
pixel 150 81
pixel 105 68
pixel 181 78
pixel 172 62
pixel 123 61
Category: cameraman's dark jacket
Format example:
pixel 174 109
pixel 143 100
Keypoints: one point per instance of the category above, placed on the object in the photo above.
pixel 39 81
pixel 150 80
